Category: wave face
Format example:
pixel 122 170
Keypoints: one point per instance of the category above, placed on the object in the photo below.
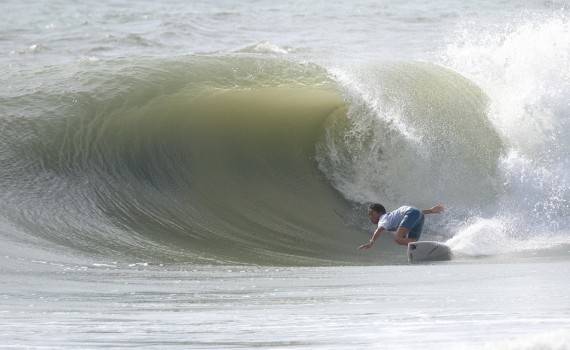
pixel 199 159
pixel 246 159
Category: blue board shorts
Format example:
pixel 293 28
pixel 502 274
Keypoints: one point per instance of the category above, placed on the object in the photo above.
pixel 414 221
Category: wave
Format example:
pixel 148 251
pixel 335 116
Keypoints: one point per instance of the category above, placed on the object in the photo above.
pixel 240 159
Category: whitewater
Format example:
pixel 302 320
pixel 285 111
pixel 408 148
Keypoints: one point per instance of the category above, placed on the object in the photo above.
pixel 196 175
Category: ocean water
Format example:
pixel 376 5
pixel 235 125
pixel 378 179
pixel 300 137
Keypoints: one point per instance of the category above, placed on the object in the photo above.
pixel 196 174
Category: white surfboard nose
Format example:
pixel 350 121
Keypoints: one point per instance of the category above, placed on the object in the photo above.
pixel 428 251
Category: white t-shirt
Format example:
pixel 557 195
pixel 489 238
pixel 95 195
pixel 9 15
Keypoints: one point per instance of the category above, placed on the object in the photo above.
pixel 390 221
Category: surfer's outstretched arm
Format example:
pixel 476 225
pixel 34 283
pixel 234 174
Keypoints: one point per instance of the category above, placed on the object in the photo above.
pixel 433 210
pixel 377 234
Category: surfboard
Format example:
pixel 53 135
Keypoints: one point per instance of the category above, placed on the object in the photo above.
pixel 428 251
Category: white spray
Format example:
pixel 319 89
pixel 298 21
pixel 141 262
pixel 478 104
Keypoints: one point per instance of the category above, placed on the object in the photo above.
pixel 525 70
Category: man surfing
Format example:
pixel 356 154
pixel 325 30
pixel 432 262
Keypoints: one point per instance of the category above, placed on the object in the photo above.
pixel 407 221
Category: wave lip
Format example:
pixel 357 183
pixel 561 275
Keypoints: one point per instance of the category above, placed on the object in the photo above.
pixel 415 133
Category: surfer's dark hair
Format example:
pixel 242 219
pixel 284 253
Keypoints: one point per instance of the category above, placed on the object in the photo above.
pixel 379 208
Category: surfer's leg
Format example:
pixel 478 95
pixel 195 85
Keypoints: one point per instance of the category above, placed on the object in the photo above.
pixel 410 228
pixel 416 231
pixel 401 236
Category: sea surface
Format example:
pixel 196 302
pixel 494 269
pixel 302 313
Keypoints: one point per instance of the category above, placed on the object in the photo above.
pixel 195 174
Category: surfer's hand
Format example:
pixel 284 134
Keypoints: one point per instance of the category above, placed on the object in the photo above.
pixel 366 246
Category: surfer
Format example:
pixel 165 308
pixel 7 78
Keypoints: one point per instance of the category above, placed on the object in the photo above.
pixel 407 221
